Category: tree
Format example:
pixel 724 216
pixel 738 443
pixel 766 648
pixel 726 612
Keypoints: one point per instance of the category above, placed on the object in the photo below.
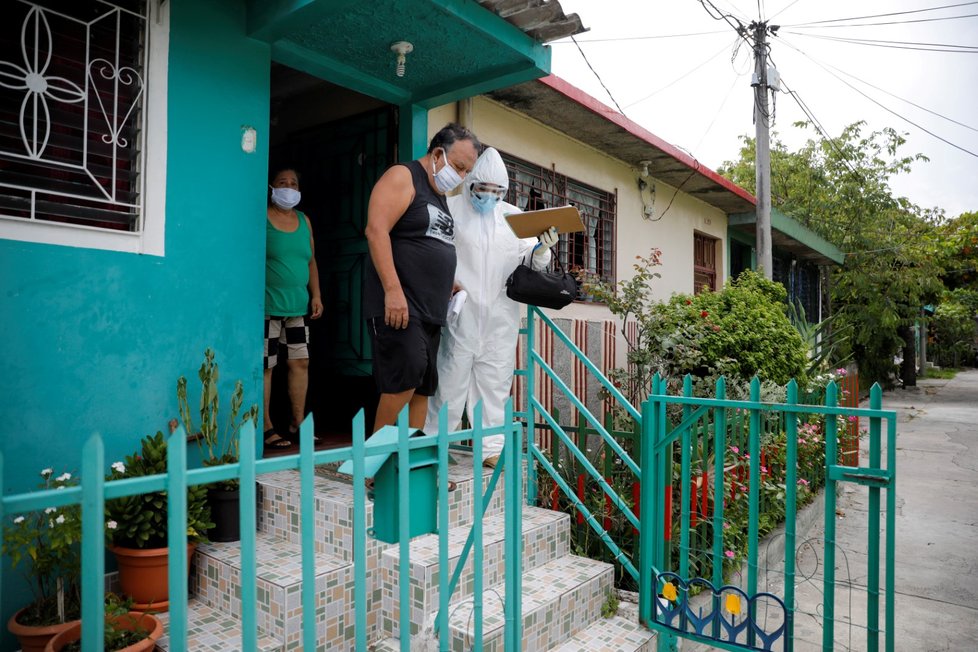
pixel 839 188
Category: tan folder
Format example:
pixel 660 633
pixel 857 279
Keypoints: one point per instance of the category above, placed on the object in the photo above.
pixel 530 224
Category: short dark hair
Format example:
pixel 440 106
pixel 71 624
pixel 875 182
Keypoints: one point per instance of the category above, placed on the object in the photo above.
pixel 450 133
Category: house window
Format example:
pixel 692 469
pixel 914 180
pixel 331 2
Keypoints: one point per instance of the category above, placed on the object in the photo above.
pixel 533 187
pixel 79 163
pixel 704 263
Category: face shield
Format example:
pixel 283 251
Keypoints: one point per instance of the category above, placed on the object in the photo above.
pixel 486 185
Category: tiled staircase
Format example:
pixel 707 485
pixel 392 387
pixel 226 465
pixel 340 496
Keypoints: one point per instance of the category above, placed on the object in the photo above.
pixel 562 595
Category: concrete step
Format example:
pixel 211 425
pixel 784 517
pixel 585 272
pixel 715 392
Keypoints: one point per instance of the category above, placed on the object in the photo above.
pixel 545 538
pixel 210 630
pixel 610 634
pixel 559 598
pixel 215 582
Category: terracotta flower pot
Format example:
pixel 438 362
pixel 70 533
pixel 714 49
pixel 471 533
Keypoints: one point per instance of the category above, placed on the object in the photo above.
pixel 130 621
pixel 35 638
pixel 143 575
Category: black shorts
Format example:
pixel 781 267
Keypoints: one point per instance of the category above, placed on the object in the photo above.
pixel 405 358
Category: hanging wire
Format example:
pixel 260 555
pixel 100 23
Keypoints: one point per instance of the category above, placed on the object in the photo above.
pixel 900 45
pixel 601 81
pixel 894 13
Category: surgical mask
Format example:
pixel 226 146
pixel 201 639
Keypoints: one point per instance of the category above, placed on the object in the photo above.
pixel 285 197
pixel 484 203
pixel 447 179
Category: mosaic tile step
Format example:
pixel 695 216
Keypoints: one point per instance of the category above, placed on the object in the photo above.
pixel 545 537
pixel 216 583
pixel 613 634
pixel 279 497
pixel 209 630
pixel 559 599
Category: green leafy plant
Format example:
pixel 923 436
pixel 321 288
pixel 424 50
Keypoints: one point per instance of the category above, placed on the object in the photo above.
pixel 121 628
pixel 216 447
pixel 610 606
pixel 45 545
pixel 140 521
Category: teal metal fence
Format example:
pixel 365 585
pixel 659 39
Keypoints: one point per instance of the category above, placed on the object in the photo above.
pixel 735 459
pixel 94 491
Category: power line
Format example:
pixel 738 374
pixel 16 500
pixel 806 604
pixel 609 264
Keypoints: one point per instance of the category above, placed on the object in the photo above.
pixel 891 22
pixel 877 103
pixel 601 81
pixel 820 129
pixel 783 10
pixel 680 77
pixel 894 13
pixel 899 45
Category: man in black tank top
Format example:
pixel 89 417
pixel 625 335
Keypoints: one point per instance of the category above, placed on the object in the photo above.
pixel 411 275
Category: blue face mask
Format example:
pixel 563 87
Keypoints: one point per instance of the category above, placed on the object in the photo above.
pixel 484 203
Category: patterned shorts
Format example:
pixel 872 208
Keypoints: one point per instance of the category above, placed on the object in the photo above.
pixel 290 331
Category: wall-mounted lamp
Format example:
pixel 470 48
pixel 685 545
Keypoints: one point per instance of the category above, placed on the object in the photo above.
pixel 645 167
pixel 401 49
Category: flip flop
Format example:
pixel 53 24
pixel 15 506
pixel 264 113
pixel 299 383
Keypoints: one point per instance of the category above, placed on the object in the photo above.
pixel 275 441
pixel 294 436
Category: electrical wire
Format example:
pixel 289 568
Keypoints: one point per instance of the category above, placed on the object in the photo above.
pixel 890 22
pixel 894 13
pixel 717 114
pixel 782 11
pixel 739 27
pixel 877 103
pixel 899 45
pixel 601 81
pixel 637 38
pixel 680 77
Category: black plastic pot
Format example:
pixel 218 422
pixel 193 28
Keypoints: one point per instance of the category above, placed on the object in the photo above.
pixel 225 512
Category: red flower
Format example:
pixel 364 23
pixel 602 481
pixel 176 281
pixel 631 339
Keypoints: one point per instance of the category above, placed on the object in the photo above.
pixel 689 302
pixel 704 314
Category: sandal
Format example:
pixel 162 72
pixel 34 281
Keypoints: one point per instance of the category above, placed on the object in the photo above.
pixel 276 441
pixel 294 436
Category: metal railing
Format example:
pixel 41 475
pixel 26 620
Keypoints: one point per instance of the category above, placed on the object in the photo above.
pixel 93 491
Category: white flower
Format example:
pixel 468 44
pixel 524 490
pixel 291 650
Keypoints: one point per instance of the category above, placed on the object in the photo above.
pixel 50 510
pixel 60 519
pixel 112 525
pixel 50 523
pixel 119 466
pixel 60 487
pixel 64 477
pixel 19 520
pixel 46 472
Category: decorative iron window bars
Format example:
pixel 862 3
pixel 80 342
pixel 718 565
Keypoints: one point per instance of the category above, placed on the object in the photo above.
pixel 72 89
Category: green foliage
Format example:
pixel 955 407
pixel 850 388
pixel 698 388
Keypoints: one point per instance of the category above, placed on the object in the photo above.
pixel 121 629
pixel 140 521
pixel 839 188
pixel 823 340
pixel 955 328
pixel 46 546
pixel 740 331
pixel 610 606
pixel 216 448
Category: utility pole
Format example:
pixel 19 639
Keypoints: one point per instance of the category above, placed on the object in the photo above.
pixel 762 142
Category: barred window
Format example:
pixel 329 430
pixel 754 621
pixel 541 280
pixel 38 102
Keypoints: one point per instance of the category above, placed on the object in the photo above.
pixel 533 187
pixel 704 263
pixel 72 113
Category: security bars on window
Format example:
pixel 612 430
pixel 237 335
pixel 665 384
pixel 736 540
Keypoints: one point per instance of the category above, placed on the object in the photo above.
pixel 71 112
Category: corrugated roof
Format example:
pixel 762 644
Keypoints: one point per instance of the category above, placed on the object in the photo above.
pixel 541 20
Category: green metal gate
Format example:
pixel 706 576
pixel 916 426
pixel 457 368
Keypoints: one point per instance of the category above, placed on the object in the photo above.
pixel 699 463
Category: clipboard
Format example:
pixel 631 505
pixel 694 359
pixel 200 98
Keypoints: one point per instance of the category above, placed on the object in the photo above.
pixel 530 224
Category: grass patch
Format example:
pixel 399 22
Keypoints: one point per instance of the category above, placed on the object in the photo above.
pixel 941 373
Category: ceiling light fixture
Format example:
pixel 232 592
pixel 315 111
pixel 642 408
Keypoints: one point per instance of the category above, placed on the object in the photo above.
pixel 402 49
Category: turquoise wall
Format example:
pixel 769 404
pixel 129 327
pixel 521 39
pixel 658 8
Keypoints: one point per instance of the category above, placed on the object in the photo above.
pixel 94 341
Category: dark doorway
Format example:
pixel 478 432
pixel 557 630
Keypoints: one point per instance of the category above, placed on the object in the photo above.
pixel 340 142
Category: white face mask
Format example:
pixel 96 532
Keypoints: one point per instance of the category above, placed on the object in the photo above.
pixel 447 179
pixel 285 197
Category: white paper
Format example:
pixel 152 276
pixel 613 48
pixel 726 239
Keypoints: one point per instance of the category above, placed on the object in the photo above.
pixel 456 303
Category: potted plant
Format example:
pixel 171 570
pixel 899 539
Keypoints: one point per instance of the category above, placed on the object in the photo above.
pixel 125 630
pixel 217 447
pixel 136 527
pixel 45 545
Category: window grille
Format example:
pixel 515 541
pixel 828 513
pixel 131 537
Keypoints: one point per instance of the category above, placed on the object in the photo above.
pixel 72 88
pixel 704 263
pixel 533 187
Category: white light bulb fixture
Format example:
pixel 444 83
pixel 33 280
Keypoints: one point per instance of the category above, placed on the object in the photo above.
pixel 645 167
pixel 401 49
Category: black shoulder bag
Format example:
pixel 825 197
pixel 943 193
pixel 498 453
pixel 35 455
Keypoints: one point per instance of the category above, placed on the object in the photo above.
pixel 542 289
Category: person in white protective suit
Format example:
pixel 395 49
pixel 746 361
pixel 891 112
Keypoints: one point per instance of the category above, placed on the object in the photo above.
pixel 478 347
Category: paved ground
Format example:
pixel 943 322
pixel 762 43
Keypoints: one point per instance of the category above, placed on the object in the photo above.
pixel 936 531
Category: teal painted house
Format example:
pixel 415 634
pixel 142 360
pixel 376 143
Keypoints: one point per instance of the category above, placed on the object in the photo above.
pixel 135 143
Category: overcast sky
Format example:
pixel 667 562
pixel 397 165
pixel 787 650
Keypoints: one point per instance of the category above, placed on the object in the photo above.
pixel 694 92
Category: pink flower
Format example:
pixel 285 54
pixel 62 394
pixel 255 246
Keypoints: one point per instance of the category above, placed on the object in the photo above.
pixel 763 469
pixel 730 554
pixel 841 371
pixel 735 449
pixel 803 481
pixel 853 418
pixel 726 526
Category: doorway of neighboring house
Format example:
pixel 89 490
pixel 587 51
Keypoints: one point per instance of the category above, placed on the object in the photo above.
pixel 340 142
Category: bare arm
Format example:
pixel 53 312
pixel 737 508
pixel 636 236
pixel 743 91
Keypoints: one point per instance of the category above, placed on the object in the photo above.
pixel 391 196
pixel 315 298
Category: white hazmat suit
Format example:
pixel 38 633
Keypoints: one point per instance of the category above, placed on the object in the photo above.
pixel 477 354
